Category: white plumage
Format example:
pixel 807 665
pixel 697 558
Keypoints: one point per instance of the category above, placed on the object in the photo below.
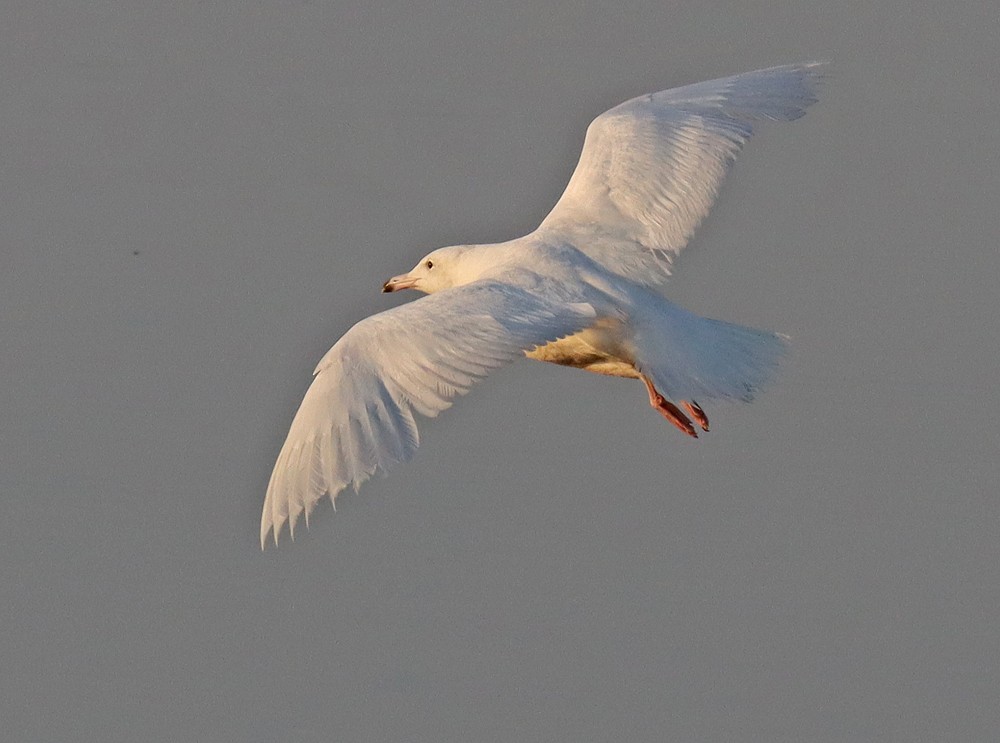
pixel 581 290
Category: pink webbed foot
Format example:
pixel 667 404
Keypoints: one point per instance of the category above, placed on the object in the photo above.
pixel 670 411
pixel 694 410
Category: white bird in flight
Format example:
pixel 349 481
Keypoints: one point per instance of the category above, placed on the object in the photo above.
pixel 582 290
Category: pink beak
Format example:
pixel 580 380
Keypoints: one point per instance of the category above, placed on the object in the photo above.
pixel 397 283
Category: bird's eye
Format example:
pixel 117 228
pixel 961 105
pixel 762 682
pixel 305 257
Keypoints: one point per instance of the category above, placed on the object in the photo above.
pixel 429 264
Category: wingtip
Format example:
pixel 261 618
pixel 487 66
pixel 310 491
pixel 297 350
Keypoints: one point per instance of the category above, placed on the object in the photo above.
pixel 816 72
pixel 820 70
pixel 813 66
pixel 268 528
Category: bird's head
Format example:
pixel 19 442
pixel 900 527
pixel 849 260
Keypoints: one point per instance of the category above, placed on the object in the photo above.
pixel 440 269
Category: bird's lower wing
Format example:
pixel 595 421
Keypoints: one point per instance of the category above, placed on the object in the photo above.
pixel 651 167
pixel 357 418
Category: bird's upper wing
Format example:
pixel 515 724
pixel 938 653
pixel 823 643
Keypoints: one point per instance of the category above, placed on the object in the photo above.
pixel 357 416
pixel 651 167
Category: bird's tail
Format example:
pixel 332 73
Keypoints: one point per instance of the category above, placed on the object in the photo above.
pixel 692 357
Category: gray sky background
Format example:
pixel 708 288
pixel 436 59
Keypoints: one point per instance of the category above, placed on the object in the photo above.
pixel 199 198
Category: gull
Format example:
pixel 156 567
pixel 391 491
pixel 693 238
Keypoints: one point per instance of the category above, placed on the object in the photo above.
pixel 585 290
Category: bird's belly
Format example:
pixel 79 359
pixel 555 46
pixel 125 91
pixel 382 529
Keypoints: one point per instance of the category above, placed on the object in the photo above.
pixel 599 349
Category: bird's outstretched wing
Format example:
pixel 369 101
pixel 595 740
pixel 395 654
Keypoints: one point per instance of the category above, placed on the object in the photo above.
pixel 357 417
pixel 651 167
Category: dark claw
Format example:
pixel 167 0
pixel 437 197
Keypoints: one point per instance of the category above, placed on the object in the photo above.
pixel 673 414
pixel 695 411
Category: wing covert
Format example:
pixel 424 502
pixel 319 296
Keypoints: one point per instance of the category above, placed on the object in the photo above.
pixel 651 167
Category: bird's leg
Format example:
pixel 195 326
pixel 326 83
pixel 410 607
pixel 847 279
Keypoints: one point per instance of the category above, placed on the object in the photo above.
pixel 668 410
pixel 694 410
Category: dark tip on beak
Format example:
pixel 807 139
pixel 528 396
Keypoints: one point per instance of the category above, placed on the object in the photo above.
pixel 398 283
